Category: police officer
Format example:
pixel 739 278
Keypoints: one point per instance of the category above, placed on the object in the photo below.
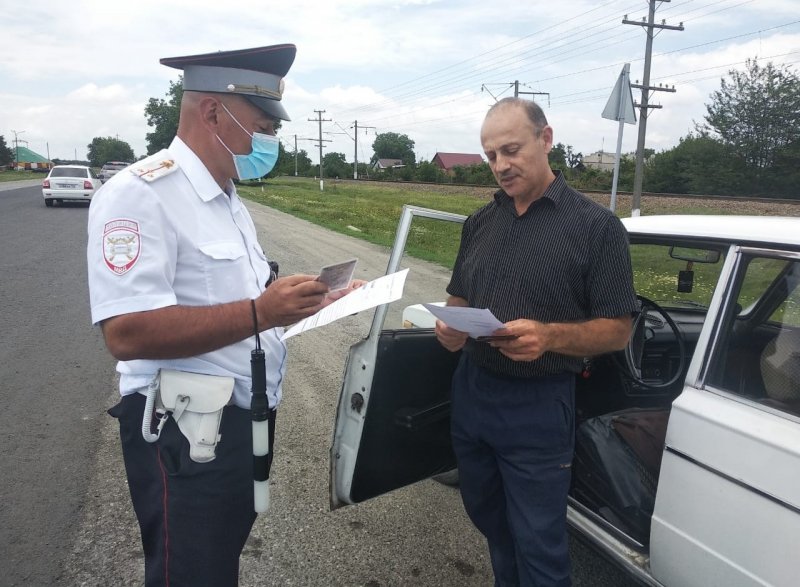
pixel 179 281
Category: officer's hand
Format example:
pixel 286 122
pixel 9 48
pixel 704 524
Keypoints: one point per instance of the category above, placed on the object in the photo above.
pixel 290 299
pixel 331 297
pixel 531 340
pixel 450 338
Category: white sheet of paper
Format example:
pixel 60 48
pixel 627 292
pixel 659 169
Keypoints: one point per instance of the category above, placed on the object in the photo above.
pixel 474 321
pixel 379 291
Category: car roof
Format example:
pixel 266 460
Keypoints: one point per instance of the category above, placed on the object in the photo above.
pixel 74 166
pixel 751 229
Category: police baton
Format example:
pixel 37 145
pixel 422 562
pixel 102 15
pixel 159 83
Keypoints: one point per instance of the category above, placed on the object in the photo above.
pixel 259 410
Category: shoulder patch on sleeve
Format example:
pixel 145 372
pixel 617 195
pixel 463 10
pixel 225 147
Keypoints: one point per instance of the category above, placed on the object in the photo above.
pixel 154 170
pixel 122 245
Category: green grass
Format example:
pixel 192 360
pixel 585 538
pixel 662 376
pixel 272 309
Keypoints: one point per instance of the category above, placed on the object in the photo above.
pixel 371 211
pixel 20 175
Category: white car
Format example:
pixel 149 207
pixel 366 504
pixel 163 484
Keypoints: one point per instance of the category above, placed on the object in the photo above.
pixel 687 462
pixel 110 169
pixel 76 183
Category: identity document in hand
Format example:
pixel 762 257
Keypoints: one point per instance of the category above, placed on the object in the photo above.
pixel 339 275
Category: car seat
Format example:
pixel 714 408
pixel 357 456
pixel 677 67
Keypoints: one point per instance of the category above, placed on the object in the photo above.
pixel 616 466
pixel 780 370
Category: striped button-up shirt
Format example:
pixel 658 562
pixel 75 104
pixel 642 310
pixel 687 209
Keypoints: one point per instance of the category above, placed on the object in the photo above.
pixel 566 259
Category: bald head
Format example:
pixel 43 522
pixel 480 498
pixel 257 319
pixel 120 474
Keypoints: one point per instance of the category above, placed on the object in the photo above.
pixel 532 110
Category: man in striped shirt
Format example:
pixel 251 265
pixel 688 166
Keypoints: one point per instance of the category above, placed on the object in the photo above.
pixel 555 268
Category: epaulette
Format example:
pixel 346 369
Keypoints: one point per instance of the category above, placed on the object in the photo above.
pixel 155 169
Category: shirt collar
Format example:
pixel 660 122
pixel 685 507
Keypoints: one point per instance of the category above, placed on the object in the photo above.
pixel 554 192
pixel 196 172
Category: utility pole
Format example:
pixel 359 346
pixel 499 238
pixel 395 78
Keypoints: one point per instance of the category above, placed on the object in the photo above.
pixel 16 146
pixel 517 94
pixel 649 25
pixel 515 84
pixel 296 152
pixel 320 120
pixel 355 157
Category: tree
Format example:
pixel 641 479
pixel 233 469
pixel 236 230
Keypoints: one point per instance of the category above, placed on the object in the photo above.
pixel 562 157
pixel 163 116
pixel 756 114
pixel 286 163
pixel 304 166
pixel 390 145
pixel 6 154
pixel 787 171
pixel 335 165
pixel 557 157
pixel 697 165
pixel 103 149
pixel 480 174
pixel 427 171
pixel 574 160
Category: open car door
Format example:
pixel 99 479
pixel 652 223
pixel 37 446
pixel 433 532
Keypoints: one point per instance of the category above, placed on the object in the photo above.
pixel 393 420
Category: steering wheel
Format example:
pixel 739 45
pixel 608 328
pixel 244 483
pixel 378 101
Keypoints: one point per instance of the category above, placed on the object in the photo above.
pixel 651 316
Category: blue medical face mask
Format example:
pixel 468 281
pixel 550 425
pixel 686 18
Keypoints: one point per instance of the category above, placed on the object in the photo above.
pixel 261 159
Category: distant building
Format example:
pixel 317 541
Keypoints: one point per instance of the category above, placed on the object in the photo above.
pixel 600 160
pixel 27 159
pixel 447 161
pixel 384 164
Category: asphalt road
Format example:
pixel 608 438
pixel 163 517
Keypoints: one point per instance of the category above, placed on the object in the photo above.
pixel 65 514
pixel 55 378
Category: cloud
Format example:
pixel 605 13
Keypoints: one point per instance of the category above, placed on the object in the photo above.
pixel 75 70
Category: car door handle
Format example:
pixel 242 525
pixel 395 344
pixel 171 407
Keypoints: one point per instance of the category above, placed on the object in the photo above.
pixel 415 418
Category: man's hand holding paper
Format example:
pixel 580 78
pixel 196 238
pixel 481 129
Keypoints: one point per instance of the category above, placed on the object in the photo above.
pixel 359 296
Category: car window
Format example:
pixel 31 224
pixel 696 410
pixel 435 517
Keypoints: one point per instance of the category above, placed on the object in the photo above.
pixel 758 353
pixel 69 172
pixel 675 282
pixel 788 313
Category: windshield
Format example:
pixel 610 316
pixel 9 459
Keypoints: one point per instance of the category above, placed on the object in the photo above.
pixel 674 282
pixel 116 166
pixel 69 172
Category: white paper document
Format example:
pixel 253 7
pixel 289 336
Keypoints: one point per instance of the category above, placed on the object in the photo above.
pixel 379 291
pixel 474 321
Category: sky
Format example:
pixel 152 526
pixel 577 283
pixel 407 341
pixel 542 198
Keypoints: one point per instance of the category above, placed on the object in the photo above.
pixel 430 69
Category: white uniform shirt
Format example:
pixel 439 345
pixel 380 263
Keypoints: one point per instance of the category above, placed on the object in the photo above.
pixel 163 233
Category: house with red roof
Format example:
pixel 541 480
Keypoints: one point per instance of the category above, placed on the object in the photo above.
pixel 447 161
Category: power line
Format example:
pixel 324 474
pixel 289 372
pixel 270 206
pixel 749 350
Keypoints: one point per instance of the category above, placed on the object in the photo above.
pixel 495 50
pixel 374 105
pixel 494 64
pixel 414 99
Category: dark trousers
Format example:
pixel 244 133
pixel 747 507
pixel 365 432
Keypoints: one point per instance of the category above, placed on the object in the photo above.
pixel 194 517
pixel 514 441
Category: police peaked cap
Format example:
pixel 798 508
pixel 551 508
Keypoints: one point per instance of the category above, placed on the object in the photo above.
pixel 257 74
